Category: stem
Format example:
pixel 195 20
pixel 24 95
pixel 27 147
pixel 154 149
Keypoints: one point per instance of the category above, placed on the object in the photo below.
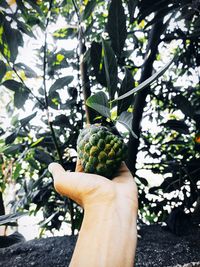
pixel 2 208
pixel 140 99
pixel 56 143
pixel 25 86
pixel 76 10
pixel 85 81
pixel 90 114
pixel 22 81
pixel 45 88
pixel 71 211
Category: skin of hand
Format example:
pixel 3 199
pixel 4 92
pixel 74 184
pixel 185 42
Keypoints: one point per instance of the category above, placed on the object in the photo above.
pixel 108 234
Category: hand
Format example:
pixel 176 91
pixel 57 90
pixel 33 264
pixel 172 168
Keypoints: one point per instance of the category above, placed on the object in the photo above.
pixel 91 189
pixel 108 235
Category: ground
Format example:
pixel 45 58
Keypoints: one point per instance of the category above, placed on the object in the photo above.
pixel 156 247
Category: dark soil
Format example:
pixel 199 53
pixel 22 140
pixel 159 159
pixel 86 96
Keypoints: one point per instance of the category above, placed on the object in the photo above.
pixel 156 247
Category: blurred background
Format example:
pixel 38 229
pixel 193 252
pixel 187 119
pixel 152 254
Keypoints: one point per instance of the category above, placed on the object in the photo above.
pixel 62 63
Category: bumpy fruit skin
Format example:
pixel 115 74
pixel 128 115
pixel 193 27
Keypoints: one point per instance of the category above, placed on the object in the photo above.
pixel 100 151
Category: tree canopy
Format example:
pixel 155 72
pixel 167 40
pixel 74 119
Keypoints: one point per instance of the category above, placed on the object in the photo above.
pixel 120 62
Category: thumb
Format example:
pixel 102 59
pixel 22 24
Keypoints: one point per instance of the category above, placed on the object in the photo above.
pixel 55 169
pixel 58 173
pixel 66 183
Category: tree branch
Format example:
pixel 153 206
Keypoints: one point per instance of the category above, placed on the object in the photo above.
pixel 171 37
pixel 45 88
pixel 85 85
pixel 25 86
pixel 140 98
pixel 2 208
pixel 85 81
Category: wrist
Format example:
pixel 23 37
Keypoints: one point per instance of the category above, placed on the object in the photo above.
pixel 107 236
pixel 115 205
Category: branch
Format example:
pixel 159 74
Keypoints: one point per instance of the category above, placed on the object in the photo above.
pixel 140 99
pixel 45 55
pixel 22 81
pixel 45 87
pixel 85 81
pixel 2 207
pixel 71 210
pixel 55 142
pixel 171 37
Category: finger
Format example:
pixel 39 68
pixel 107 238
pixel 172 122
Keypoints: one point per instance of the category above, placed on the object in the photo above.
pixel 55 168
pixel 123 174
pixel 72 184
pixel 66 183
pixel 79 167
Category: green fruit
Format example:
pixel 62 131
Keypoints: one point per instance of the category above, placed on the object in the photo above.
pixel 100 151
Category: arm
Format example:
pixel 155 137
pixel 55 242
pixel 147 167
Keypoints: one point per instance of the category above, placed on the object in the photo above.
pixel 108 233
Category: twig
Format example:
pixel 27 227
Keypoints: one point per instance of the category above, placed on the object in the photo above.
pixel 71 211
pixel 22 81
pixel 45 88
pixel 90 114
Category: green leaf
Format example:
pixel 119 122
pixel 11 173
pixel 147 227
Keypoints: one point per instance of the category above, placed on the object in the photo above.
pixel 110 68
pixel 21 93
pixel 13 149
pixel 54 100
pixel 143 180
pixel 27 70
pixel 2 69
pixel 60 83
pixel 148 7
pixel 147 82
pixel 1 132
pixel 89 9
pixel 37 142
pixel 4 4
pixel 126 85
pixel 33 20
pixel 62 120
pixel 13 39
pixel 125 118
pixel 26 120
pixel 42 156
pixel 33 163
pixel 160 15
pixel 12 85
pixel 184 105
pixel 11 138
pixel 116 26
pixel 97 62
pixel 11 217
pixel 170 184
pixel 99 102
pixel 17 170
pixel 36 7
pixel 177 125
pixel 4 49
pixel 20 97
pixel 132 4
pixel 25 28
pixel 64 33
pixel 46 221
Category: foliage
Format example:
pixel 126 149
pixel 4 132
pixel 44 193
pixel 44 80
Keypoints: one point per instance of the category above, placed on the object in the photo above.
pixel 95 52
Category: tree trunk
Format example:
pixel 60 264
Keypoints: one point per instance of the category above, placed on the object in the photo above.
pixel 2 209
pixel 2 212
pixel 85 81
pixel 140 99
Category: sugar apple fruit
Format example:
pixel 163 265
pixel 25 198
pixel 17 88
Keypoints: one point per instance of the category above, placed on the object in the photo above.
pixel 100 151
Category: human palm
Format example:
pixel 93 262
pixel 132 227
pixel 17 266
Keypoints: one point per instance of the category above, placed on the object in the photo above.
pixel 91 189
